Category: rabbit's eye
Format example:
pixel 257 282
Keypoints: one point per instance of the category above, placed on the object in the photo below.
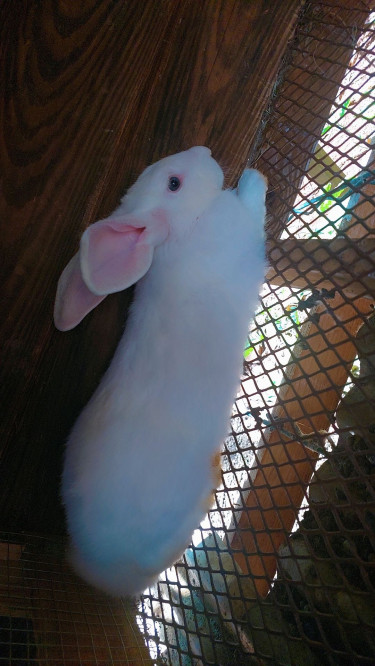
pixel 174 184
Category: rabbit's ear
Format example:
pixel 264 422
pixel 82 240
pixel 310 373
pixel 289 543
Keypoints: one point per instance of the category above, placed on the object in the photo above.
pixel 118 251
pixel 73 298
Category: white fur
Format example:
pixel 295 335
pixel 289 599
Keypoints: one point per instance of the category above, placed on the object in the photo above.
pixel 138 469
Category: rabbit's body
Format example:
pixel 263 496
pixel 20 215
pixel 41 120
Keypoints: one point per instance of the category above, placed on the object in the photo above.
pixel 139 469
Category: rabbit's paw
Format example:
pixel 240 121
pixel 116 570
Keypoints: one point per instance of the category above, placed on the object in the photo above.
pixel 252 187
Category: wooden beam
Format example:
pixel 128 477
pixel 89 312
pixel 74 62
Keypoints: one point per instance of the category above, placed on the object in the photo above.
pixel 312 388
pixel 342 263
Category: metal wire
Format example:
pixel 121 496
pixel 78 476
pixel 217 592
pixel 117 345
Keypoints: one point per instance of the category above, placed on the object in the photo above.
pixel 282 570
pixel 49 616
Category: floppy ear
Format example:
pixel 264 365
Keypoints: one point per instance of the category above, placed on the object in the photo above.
pixel 118 251
pixel 114 253
pixel 73 298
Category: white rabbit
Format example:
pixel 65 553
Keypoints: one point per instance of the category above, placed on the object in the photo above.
pixel 143 458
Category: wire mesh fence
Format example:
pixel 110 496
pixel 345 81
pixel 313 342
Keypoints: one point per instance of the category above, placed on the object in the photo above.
pixel 49 616
pixel 282 570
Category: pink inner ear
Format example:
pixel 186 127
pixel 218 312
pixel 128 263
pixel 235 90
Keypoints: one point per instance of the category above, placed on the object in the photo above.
pixel 117 252
pixel 73 299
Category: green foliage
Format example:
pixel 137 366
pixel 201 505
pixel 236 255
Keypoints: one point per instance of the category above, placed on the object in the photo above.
pixel 342 113
pixel 330 201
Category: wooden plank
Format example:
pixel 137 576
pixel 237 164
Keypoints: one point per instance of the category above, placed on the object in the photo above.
pixel 344 264
pixel 309 395
pixel 92 93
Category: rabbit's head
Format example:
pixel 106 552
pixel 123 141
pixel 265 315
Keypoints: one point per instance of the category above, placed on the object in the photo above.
pixel 181 185
pixel 162 205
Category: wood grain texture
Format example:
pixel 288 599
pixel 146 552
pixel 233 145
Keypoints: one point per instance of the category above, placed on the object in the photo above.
pixel 92 92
